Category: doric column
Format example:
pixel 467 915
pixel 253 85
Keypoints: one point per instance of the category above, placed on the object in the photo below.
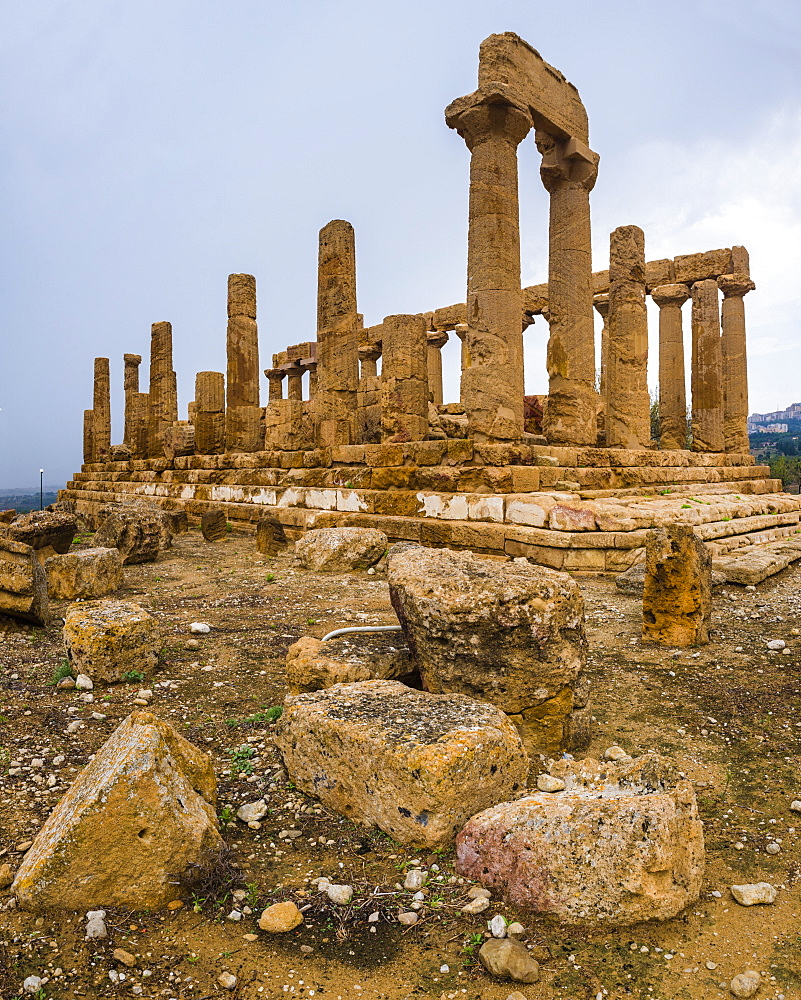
pixel 368 360
pixel 735 361
pixel 209 417
pixel 337 336
pixel 628 422
pixel 101 408
pixel 242 349
pixel 275 379
pixel 464 353
pixel 569 170
pixel 601 304
pixel 88 426
pixel 140 420
pixel 130 386
pixel 404 379
pixel 311 368
pixel 294 375
pixel 163 395
pixel 492 387
pixel 672 393
pixel 707 373
pixel 436 340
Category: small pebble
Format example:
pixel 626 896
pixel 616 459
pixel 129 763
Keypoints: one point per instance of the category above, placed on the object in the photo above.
pixel 746 984
pixel 615 753
pixel 201 628
pixel 547 783
pixel 408 919
pixel 227 981
pixel 415 879
pixel 497 926
pixel 340 894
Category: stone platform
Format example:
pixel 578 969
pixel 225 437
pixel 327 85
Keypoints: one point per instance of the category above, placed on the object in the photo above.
pixel 578 509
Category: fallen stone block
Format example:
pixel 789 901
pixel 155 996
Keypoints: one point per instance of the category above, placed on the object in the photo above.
pixel 338 550
pixel 138 532
pixel 508 632
pixel 416 765
pixel 138 815
pixel 677 594
pixel 509 960
pixel 42 529
pixel 214 526
pixel 82 574
pixel 620 844
pixel 312 664
pixel 270 536
pixel 755 563
pixel 23 584
pixel 106 639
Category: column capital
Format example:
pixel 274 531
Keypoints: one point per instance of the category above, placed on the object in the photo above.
pixel 369 352
pixel 601 303
pixel 735 285
pixel 437 338
pixel 670 295
pixel 566 160
pixel 274 373
pixel 132 359
pixel 489 113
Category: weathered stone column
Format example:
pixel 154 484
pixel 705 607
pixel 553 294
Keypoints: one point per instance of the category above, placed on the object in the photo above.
pixel 628 422
pixel 569 170
pixel 368 361
pixel 209 413
pixel 436 340
pixel 130 385
pixel 707 373
pixel 492 387
pixel 140 421
pixel 311 368
pixel 275 379
pixel 735 361
pixel 101 409
pixel 601 304
pixel 337 336
pixel 369 395
pixel 677 597
pixel 88 447
pixel 404 379
pixel 464 353
pixel 242 349
pixel 672 392
pixel 294 379
pixel 163 388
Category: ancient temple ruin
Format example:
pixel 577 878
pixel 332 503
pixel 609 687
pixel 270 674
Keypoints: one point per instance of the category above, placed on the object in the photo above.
pixel 570 480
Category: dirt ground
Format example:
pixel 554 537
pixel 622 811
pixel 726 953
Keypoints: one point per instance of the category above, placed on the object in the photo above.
pixel 727 713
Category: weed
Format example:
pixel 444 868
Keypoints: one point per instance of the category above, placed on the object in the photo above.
pixel 311 621
pixel 270 578
pixel 133 676
pixel 62 670
pixel 227 816
pixel 210 883
pixel 228 526
pixel 241 760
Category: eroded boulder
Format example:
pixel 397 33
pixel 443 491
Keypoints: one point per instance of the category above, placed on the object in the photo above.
pixel 338 550
pixel 84 574
pixel 23 584
pixel 511 633
pixel 106 639
pixel 214 526
pixel 416 765
pixel 270 536
pixel 43 529
pixel 620 844
pixel 136 817
pixel 677 593
pixel 312 664
pixel 138 532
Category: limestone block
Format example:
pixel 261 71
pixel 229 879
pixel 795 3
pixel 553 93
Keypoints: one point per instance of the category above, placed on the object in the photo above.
pixel 621 844
pixel 85 573
pixel 312 664
pixel 414 764
pixel 43 528
pixel 511 633
pixel 337 550
pixel 7 516
pixel 179 439
pixel 106 639
pixel 138 532
pixel 677 595
pixel 270 536
pixel 214 525
pixel 23 585
pixel 564 517
pixel 136 817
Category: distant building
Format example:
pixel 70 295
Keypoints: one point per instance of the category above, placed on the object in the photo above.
pixel 757 421
pixel 767 428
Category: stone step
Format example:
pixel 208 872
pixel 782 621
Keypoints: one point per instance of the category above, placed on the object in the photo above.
pixel 755 563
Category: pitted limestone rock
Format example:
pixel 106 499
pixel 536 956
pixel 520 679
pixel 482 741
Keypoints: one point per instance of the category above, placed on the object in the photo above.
pixel 106 639
pixel 511 633
pixel 43 528
pixel 138 814
pixel 414 764
pixel 677 593
pixel 137 531
pixel 85 573
pixel 337 550
pixel 312 664
pixel 622 843
pixel 23 585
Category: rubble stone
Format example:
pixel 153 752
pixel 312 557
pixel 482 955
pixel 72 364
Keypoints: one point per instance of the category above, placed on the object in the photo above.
pixel 511 633
pixel 136 817
pixel 214 525
pixel 338 550
pixel 622 843
pixel 23 584
pixel 312 664
pixel 136 531
pixel 106 639
pixel 677 594
pixel 43 528
pixel 270 536
pixel 414 764
pixel 508 959
pixel 85 573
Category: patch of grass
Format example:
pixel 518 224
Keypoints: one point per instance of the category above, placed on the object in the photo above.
pixel 241 760
pixel 133 676
pixel 62 670
pixel 270 578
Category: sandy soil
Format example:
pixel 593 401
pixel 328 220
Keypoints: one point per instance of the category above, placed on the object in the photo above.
pixel 727 713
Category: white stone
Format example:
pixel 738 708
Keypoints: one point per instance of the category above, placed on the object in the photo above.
pixel 795 806
pixel 227 981
pixel 497 926
pixel 83 682
pixel 96 924
pixel 201 628
pixel 615 753
pixel 776 644
pixel 547 783
pixel 475 906
pixel 32 984
pixel 341 894
pixel 415 879
pixel 408 918
pixel 746 984
pixel 753 894
pixel 252 812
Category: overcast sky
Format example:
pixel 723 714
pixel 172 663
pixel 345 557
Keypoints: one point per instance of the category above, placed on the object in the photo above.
pixel 151 147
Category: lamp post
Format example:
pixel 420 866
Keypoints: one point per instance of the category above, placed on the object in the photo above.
pixel 41 489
